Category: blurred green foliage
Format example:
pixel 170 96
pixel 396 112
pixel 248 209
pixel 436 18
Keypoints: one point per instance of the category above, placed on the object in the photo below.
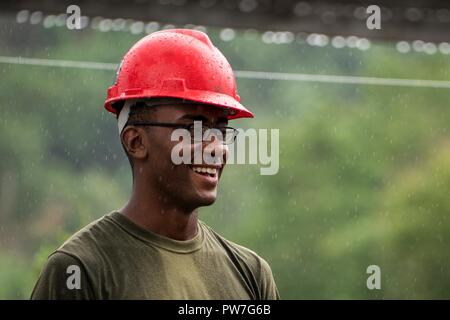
pixel 364 170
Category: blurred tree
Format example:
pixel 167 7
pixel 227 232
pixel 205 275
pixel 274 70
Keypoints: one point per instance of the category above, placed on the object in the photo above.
pixel 364 170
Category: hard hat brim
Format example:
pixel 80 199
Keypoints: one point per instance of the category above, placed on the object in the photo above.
pixel 215 99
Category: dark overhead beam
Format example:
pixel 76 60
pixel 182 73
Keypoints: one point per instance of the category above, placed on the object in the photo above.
pixel 401 20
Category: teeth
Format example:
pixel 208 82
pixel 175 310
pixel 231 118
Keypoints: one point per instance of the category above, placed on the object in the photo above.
pixel 205 170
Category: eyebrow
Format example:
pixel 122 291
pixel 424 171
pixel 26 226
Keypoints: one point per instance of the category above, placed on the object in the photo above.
pixel 199 117
pixel 194 117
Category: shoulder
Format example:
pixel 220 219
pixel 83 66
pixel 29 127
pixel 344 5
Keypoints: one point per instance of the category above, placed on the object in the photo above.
pixel 247 256
pixel 253 267
pixel 90 236
pixel 63 277
pixel 87 244
pixel 83 253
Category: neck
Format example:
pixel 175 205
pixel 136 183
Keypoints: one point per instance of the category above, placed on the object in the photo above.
pixel 153 212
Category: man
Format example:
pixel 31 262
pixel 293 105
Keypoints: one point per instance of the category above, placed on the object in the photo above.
pixel 155 247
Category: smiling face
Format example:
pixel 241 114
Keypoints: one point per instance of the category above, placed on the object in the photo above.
pixel 150 147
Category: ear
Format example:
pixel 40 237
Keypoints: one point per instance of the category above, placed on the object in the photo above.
pixel 135 142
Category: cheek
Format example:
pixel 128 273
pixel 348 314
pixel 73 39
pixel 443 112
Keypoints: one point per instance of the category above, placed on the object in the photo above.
pixel 159 157
pixel 185 153
pixel 177 157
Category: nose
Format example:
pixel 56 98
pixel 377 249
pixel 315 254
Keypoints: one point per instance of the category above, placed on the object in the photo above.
pixel 217 149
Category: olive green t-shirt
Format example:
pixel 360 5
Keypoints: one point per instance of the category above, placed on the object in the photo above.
pixel 113 258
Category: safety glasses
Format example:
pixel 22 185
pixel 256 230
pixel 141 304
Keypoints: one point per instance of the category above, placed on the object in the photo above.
pixel 226 135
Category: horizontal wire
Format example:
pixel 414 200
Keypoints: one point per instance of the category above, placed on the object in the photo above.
pixel 257 75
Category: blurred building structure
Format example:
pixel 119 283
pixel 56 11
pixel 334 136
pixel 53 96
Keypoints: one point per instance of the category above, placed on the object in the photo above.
pixel 425 20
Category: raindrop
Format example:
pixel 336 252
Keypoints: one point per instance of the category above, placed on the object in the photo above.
pixel 319 40
pixel 338 42
pixel 61 20
pixel 360 13
pixel 403 47
pixel 168 26
pixel 137 27
pixel 418 45
pixel 227 34
pixel 22 16
pixel 363 44
pixel 36 17
pixel 49 21
pixel 351 41
pixel 200 28
pixel 443 15
pixel 444 47
pixel 84 22
pixel 302 9
pixel 118 24
pixel 105 25
pixel 151 27
pixel 267 37
pixel 430 48
pixel 248 5
pixel 95 22
pixel 413 14
pixel 289 37
pixel 282 37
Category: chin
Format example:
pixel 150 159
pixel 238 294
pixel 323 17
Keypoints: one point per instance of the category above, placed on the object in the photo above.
pixel 203 199
pixel 207 199
pixel 208 202
pixel 193 199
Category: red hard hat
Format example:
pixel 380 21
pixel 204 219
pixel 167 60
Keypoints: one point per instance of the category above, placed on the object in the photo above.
pixel 176 63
